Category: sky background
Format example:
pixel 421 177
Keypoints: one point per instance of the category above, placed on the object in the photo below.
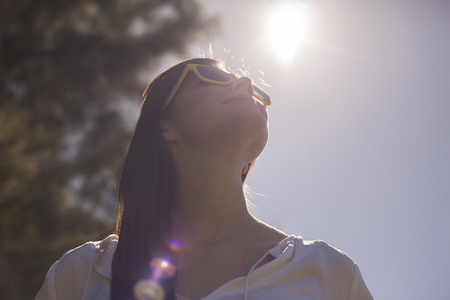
pixel 359 145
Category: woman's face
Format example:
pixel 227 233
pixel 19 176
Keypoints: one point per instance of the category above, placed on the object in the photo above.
pixel 219 118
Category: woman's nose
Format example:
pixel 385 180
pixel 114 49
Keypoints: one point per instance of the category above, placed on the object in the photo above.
pixel 243 84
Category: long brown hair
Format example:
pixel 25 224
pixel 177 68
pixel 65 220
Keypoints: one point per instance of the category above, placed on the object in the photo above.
pixel 147 193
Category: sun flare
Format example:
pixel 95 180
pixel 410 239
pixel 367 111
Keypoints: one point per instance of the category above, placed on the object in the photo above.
pixel 288 28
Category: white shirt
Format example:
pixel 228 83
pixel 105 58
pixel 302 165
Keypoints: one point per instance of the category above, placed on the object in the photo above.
pixel 300 269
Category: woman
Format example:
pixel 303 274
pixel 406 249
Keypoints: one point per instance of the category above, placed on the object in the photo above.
pixel 183 228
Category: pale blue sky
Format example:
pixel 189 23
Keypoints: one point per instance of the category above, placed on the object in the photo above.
pixel 359 133
pixel 359 145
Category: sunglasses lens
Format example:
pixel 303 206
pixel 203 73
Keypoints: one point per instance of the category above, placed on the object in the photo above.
pixel 213 74
pixel 260 94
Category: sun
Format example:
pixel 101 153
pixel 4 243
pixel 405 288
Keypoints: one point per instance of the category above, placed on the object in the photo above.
pixel 288 28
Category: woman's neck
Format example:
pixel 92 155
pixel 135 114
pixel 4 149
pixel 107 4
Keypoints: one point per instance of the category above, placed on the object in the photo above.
pixel 211 201
pixel 209 207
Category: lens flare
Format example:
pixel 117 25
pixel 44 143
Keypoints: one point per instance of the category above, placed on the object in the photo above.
pixel 164 264
pixel 174 246
pixel 151 289
pixel 148 290
pixel 161 269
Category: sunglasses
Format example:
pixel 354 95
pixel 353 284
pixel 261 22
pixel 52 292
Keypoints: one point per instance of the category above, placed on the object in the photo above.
pixel 214 75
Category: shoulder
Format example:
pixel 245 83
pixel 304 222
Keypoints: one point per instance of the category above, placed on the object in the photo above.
pixel 84 256
pixel 334 268
pixel 320 250
pixel 323 256
pixel 309 270
pixel 77 270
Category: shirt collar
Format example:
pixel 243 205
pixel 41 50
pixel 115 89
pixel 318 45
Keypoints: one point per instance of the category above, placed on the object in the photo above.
pixel 104 250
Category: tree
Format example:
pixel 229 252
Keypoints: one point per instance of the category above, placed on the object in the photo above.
pixel 67 68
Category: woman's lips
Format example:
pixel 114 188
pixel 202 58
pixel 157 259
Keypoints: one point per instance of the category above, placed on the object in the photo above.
pixel 239 98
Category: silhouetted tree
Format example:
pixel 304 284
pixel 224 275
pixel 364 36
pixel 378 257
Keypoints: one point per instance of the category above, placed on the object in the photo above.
pixel 67 69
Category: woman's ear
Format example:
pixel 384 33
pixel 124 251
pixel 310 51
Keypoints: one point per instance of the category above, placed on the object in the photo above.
pixel 245 169
pixel 167 130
